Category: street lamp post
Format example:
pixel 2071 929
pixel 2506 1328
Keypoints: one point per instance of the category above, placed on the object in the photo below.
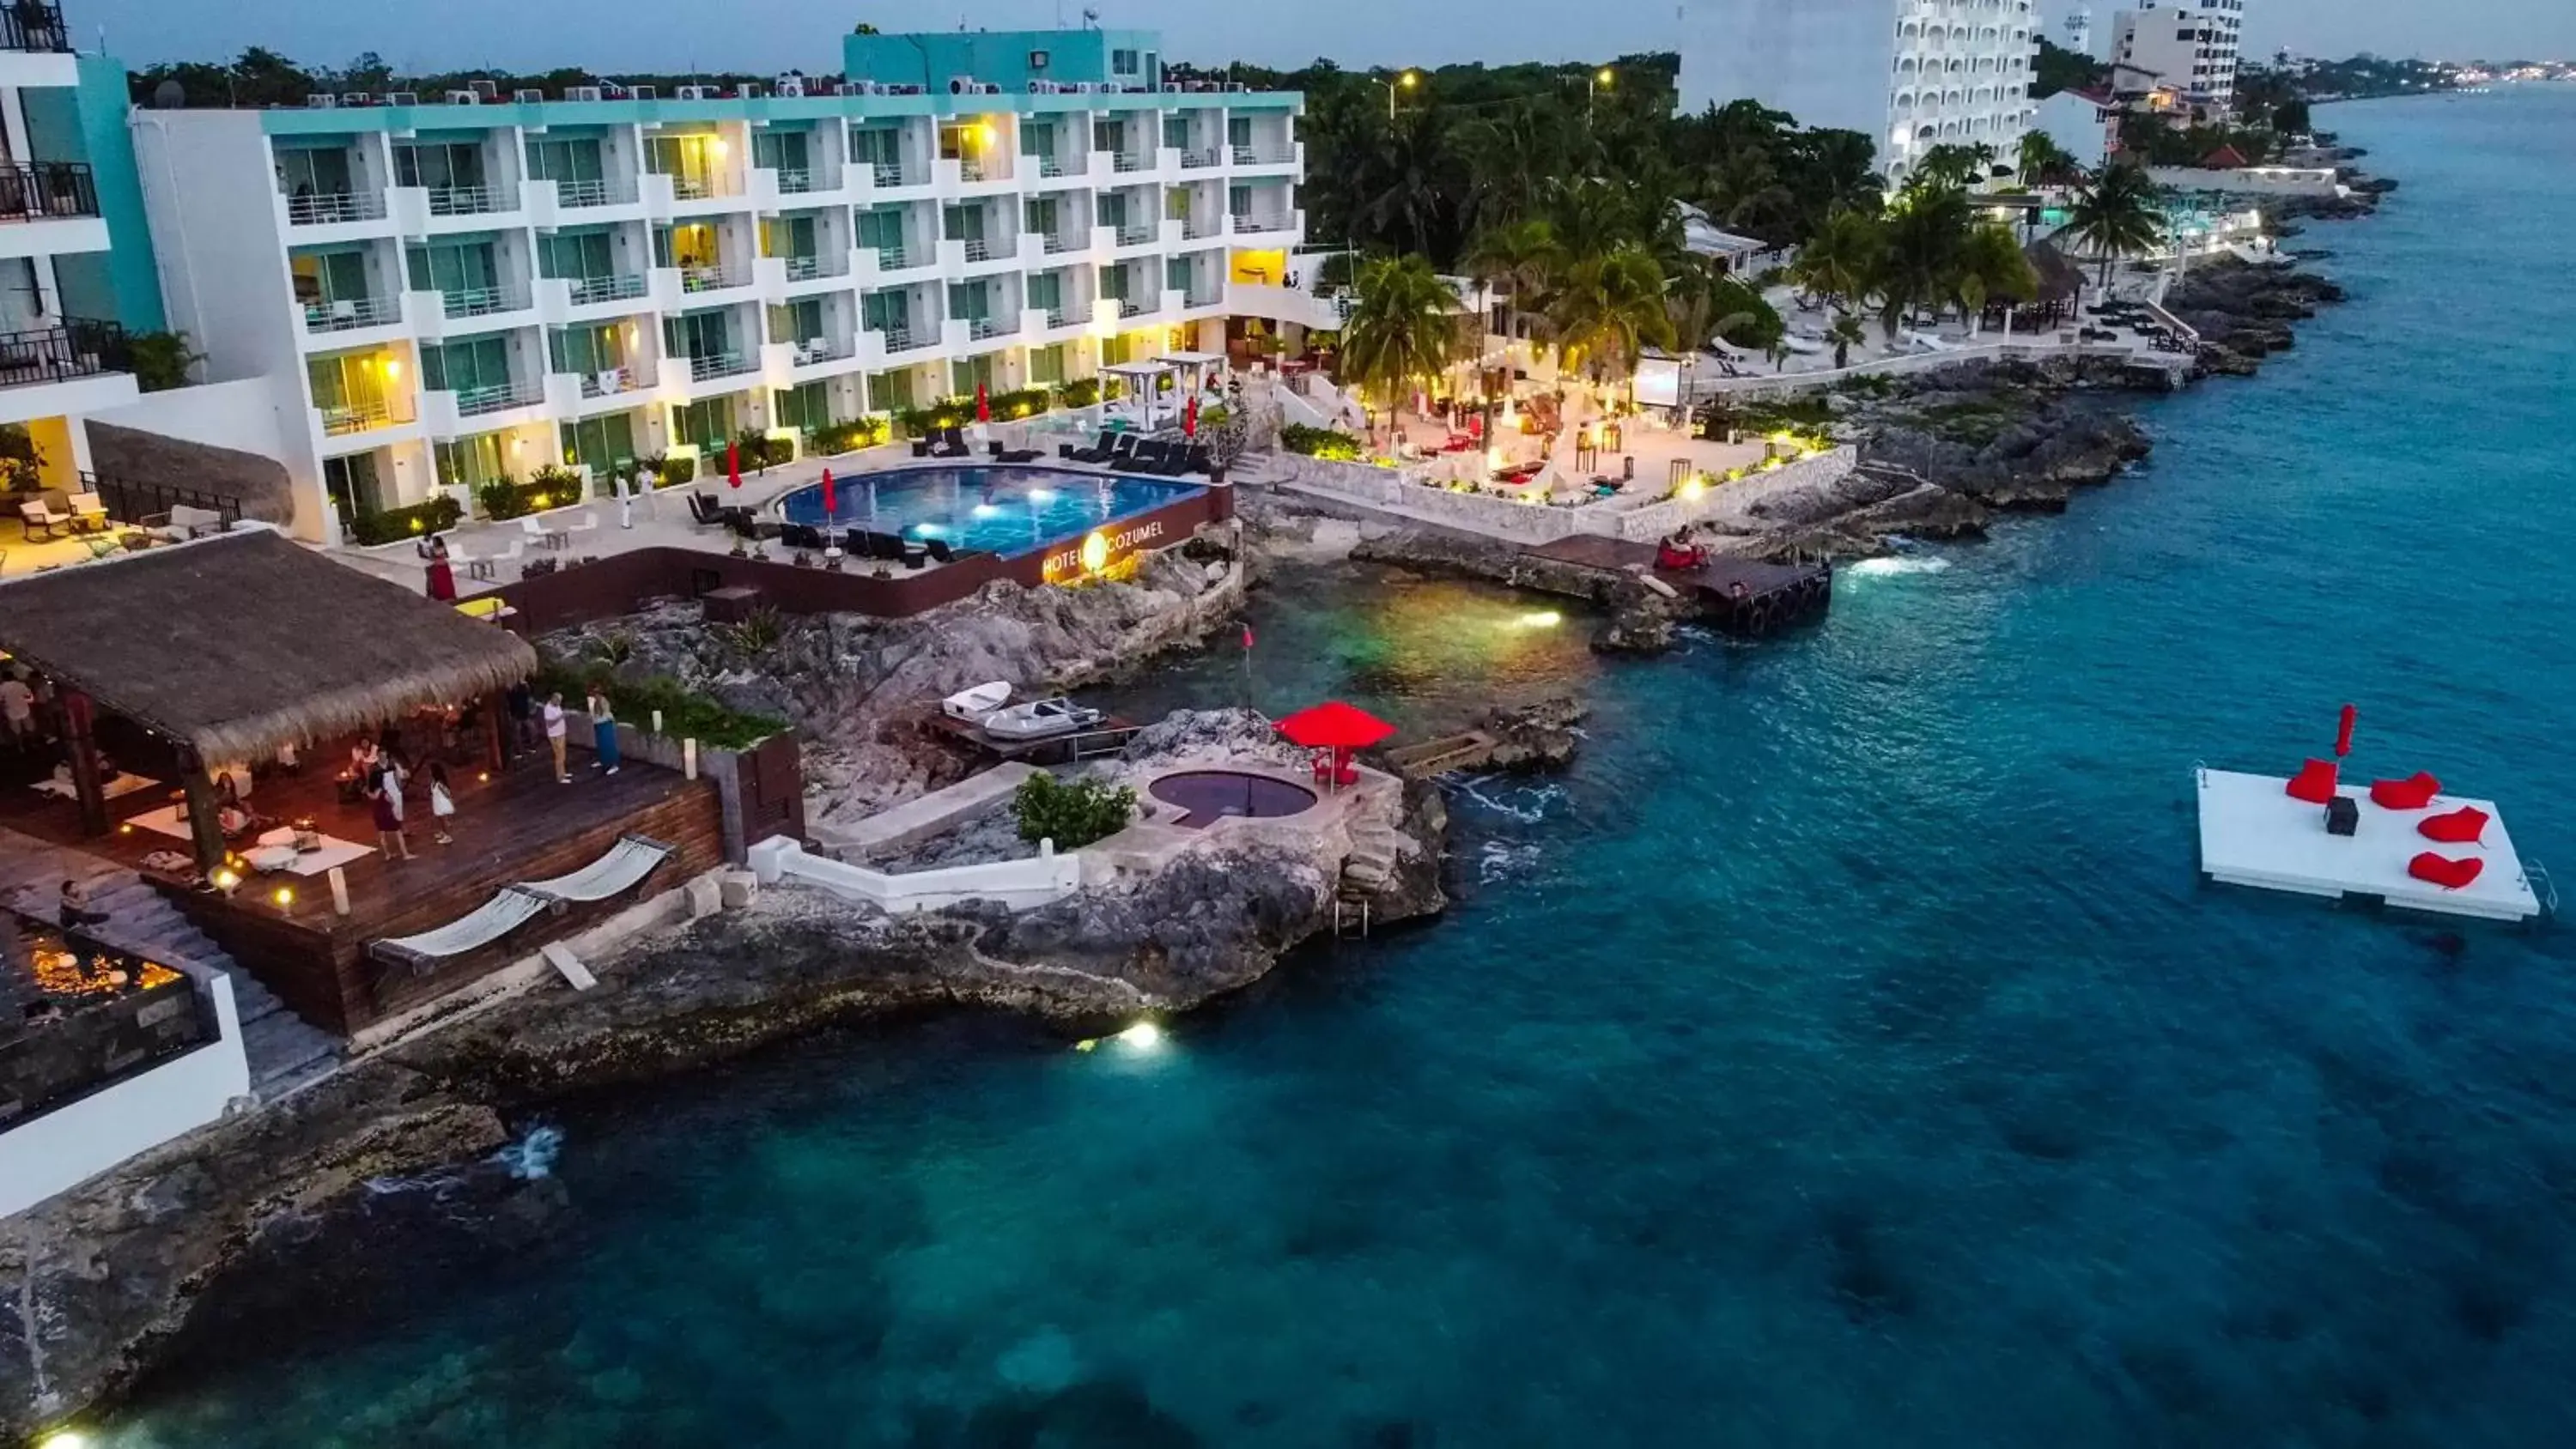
pixel 1404 80
pixel 1592 86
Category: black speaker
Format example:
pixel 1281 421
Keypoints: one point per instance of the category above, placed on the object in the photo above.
pixel 2343 817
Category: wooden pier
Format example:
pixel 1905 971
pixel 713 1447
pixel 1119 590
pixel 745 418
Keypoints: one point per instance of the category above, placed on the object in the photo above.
pixel 1441 756
pixel 1738 595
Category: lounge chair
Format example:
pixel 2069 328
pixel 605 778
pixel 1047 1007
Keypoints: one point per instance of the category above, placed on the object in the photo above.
pixel 705 511
pixel 939 550
pixel 1146 458
pixel 1201 460
pixel 801 535
pixel 484 925
pixel 35 514
pixel 624 867
pixel 886 546
pixel 1176 460
pixel 1098 452
pixel 1120 447
pixel 916 553
pixel 952 444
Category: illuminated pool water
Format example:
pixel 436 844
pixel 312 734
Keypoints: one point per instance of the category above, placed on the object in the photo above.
pixel 1004 509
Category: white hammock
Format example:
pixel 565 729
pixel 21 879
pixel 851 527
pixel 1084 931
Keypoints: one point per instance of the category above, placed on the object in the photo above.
pixel 628 861
pixel 487 923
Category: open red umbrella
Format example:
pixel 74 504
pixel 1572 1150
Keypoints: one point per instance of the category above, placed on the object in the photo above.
pixel 1190 417
pixel 733 463
pixel 983 405
pixel 1338 727
pixel 829 497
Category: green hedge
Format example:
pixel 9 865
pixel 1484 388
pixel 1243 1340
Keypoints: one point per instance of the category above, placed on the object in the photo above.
pixel 957 412
pixel 686 714
pixel 393 525
pixel 849 437
pixel 1328 443
pixel 1082 392
pixel 503 499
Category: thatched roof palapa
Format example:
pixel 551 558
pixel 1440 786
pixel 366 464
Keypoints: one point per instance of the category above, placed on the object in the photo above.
pixel 2059 278
pixel 238 644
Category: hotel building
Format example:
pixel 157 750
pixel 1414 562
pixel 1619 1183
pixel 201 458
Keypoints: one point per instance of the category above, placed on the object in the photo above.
pixel 458 288
pixel 1912 74
pixel 67 295
pixel 2189 44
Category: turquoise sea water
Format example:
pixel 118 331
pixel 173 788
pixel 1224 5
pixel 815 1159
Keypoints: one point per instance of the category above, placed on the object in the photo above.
pixel 1841 1054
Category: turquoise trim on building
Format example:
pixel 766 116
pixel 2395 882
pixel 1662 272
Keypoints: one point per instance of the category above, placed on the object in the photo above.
pixel 86 122
pixel 1007 58
pixel 324 127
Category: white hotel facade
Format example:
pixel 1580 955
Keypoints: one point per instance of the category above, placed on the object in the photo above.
pixel 1913 74
pixel 2190 45
pixel 454 289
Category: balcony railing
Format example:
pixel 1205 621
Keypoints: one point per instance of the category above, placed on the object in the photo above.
pixel 327 208
pixel 894 173
pixel 794 180
pixel 588 290
pixel 979 328
pixel 593 193
pixel 1059 245
pixel 35 25
pixel 46 189
pixel 900 339
pixel 134 500
pixel 1124 306
pixel 980 249
pixel 78 348
pixel 472 200
pixel 1135 236
pixel 1048 165
pixel 346 314
pixel 474 402
pixel 1059 318
pixel 1198 297
pixel 892 257
pixel 711 279
pixel 341 419
pixel 1192 160
pixel 614 381
pixel 718 364
pixel 1263 155
pixel 686 186
pixel 817 350
pixel 973 168
pixel 1124 162
pixel 482 301
pixel 828 264
pixel 1249 223
pixel 1197 230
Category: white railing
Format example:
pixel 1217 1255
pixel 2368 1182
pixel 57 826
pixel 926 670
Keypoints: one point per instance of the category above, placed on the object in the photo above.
pixel 1251 223
pixel 614 381
pixel 1263 155
pixel 325 210
pixel 794 180
pixel 587 290
pixel 1017 884
pixel 1135 236
pixel 686 186
pixel 895 173
pixel 711 279
pixel 1197 230
pixel 828 264
pixel 1058 245
pixel 341 419
pixel 979 328
pixel 717 364
pixel 900 339
pixel 970 169
pixel 1058 318
pixel 483 301
pixel 1192 160
pixel 1124 162
pixel 893 257
pixel 1125 306
pixel 346 313
pixel 472 200
pixel 499 397
pixel 814 350
pixel 1048 165
pixel 596 192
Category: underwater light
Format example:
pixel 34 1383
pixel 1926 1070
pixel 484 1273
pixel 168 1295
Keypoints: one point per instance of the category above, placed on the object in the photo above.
pixel 1041 495
pixel 985 510
pixel 1539 619
pixel 1144 1036
pixel 64 1439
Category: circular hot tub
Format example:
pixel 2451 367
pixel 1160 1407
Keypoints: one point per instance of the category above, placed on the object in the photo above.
pixel 1207 796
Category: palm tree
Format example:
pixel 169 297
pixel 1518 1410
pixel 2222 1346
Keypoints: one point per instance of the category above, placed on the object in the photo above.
pixel 1609 308
pixel 2120 215
pixel 2042 158
pixel 1927 234
pixel 1841 260
pixel 1991 265
pixel 1846 331
pixel 1403 331
pixel 1520 258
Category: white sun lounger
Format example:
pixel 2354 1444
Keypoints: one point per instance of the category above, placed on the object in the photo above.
pixel 627 863
pixel 487 923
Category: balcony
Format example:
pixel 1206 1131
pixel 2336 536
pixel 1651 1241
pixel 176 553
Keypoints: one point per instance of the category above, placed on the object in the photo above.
pixel 1057 246
pixel 475 402
pixel 815 351
pixel 985 249
pixel 319 209
pixel 614 382
pixel 901 339
pixel 348 314
pixel 705 187
pixel 1123 163
pixel 1123 306
pixel 35 26
pixel 979 329
pixel 339 420
pixel 78 348
pixel 482 301
pixel 718 364
pixel 896 257
pixel 1048 166
pixel 1264 155
pixel 1134 236
pixel 574 195
pixel 587 291
pixel 895 173
pixel 46 189
pixel 712 279
pixel 472 200
pixel 1198 230
pixel 1195 160
pixel 827 264
pixel 1253 223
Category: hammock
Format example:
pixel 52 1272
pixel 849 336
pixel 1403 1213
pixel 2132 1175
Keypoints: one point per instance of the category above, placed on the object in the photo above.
pixel 487 923
pixel 627 862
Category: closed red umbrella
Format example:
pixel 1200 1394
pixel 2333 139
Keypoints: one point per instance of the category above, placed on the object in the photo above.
pixel 830 499
pixel 2343 731
pixel 1190 417
pixel 1338 727
pixel 983 405
pixel 733 463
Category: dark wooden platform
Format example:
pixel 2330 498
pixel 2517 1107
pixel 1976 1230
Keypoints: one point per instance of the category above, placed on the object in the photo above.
pixel 1740 595
pixel 1105 738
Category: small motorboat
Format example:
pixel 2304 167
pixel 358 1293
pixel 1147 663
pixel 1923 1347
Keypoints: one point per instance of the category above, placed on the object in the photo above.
pixel 972 705
pixel 1040 719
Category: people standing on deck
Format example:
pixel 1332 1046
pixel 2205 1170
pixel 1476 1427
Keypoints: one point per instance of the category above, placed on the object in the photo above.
pixel 17 710
pixel 522 702
pixel 554 718
pixel 603 729
pixel 384 796
pixel 73 912
pixel 442 573
pixel 442 802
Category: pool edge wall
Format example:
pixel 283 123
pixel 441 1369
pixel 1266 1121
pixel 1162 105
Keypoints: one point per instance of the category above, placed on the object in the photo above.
pixel 622 583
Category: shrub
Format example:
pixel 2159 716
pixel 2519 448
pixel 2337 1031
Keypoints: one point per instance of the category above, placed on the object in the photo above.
pixel 1072 814
pixel 756 449
pixel 1010 405
pixel 1082 392
pixel 557 485
pixel 686 714
pixel 675 471
pixel 848 437
pixel 1329 443
pixel 503 499
pixel 393 525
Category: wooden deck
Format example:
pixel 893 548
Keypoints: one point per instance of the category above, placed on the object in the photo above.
pixel 514 824
pixel 1739 595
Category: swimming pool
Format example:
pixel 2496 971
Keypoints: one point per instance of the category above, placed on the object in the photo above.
pixel 1003 509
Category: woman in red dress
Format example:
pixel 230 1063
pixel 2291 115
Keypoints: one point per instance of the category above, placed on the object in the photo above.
pixel 442 574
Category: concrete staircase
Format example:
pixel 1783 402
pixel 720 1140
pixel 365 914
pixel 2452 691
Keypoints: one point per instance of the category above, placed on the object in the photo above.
pixel 285 1051
pixel 1371 863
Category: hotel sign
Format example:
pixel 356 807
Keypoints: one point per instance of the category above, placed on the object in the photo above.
pixel 1099 552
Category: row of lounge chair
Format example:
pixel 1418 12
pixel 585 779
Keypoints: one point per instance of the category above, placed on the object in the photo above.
pixel 623 868
pixel 1128 453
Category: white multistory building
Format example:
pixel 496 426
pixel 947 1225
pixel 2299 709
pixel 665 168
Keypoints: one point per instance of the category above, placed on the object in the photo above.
pixel 457 289
pixel 1911 74
pixel 2191 45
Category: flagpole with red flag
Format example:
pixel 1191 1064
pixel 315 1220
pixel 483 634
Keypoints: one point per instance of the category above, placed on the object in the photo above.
pixel 1247 666
pixel 733 463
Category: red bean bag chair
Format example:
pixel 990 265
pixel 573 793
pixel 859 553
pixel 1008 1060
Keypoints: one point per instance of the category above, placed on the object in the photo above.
pixel 2412 793
pixel 2454 827
pixel 2443 871
pixel 2315 782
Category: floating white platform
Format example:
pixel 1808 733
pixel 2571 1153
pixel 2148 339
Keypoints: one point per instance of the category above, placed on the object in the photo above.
pixel 2252 833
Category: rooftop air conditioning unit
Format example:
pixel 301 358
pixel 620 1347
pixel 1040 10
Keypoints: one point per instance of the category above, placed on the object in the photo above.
pixel 1237 86
pixel 697 93
pixel 1042 88
pixel 527 95
pixel 791 85
pixel 961 85
pixel 460 98
pixel 584 93
pixel 321 102
pixel 641 93
pixel 486 90
pixel 748 90
pixel 402 98
pixel 357 98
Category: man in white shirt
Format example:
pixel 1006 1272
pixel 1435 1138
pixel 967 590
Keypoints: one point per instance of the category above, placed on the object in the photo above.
pixel 554 717
pixel 18 711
